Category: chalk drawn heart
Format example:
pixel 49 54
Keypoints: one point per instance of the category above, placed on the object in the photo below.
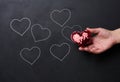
pixel 61 51
pixel 67 31
pixel 60 17
pixel 20 26
pixel 30 55
pixel 39 33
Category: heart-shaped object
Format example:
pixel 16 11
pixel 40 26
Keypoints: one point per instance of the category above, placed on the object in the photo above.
pixel 20 26
pixel 82 38
pixel 61 51
pixel 30 55
pixel 60 17
pixel 39 33
pixel 67 31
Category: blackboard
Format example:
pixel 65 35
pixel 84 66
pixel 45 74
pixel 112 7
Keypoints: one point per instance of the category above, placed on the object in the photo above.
pixel 35 44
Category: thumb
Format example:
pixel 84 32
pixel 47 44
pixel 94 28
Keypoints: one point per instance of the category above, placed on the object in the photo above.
pixel 94 30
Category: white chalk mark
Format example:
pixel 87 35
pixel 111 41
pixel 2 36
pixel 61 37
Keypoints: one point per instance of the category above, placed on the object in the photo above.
pixel 60 11
pixel 57 45
pixel 31 63
pixel 37 40
pixel 20 20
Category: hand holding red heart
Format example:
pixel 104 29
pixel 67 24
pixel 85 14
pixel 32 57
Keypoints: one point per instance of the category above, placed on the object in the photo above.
pixel 103 40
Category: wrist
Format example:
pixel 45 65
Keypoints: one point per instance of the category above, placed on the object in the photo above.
pixel 116 36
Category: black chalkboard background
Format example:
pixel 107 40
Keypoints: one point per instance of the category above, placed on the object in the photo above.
pixel 17 64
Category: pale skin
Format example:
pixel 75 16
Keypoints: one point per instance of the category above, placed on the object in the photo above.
pixel 103 40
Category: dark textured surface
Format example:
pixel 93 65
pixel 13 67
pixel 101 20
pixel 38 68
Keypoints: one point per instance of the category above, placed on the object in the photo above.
pixel 77 66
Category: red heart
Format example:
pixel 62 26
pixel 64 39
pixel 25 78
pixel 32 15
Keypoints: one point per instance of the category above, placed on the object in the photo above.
pixel 81 38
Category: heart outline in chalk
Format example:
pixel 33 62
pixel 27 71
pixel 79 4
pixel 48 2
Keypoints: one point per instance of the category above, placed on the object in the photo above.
pixel 53 45
pixel 60 11
pixel 31 63
pixel 20 20
pixel 62 31
pixel 41 27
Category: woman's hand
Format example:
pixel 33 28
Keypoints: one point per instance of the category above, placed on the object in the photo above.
pixel 103 40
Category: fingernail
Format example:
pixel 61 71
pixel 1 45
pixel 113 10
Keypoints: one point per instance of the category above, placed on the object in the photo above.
pixel 88 28
pixel 79 48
